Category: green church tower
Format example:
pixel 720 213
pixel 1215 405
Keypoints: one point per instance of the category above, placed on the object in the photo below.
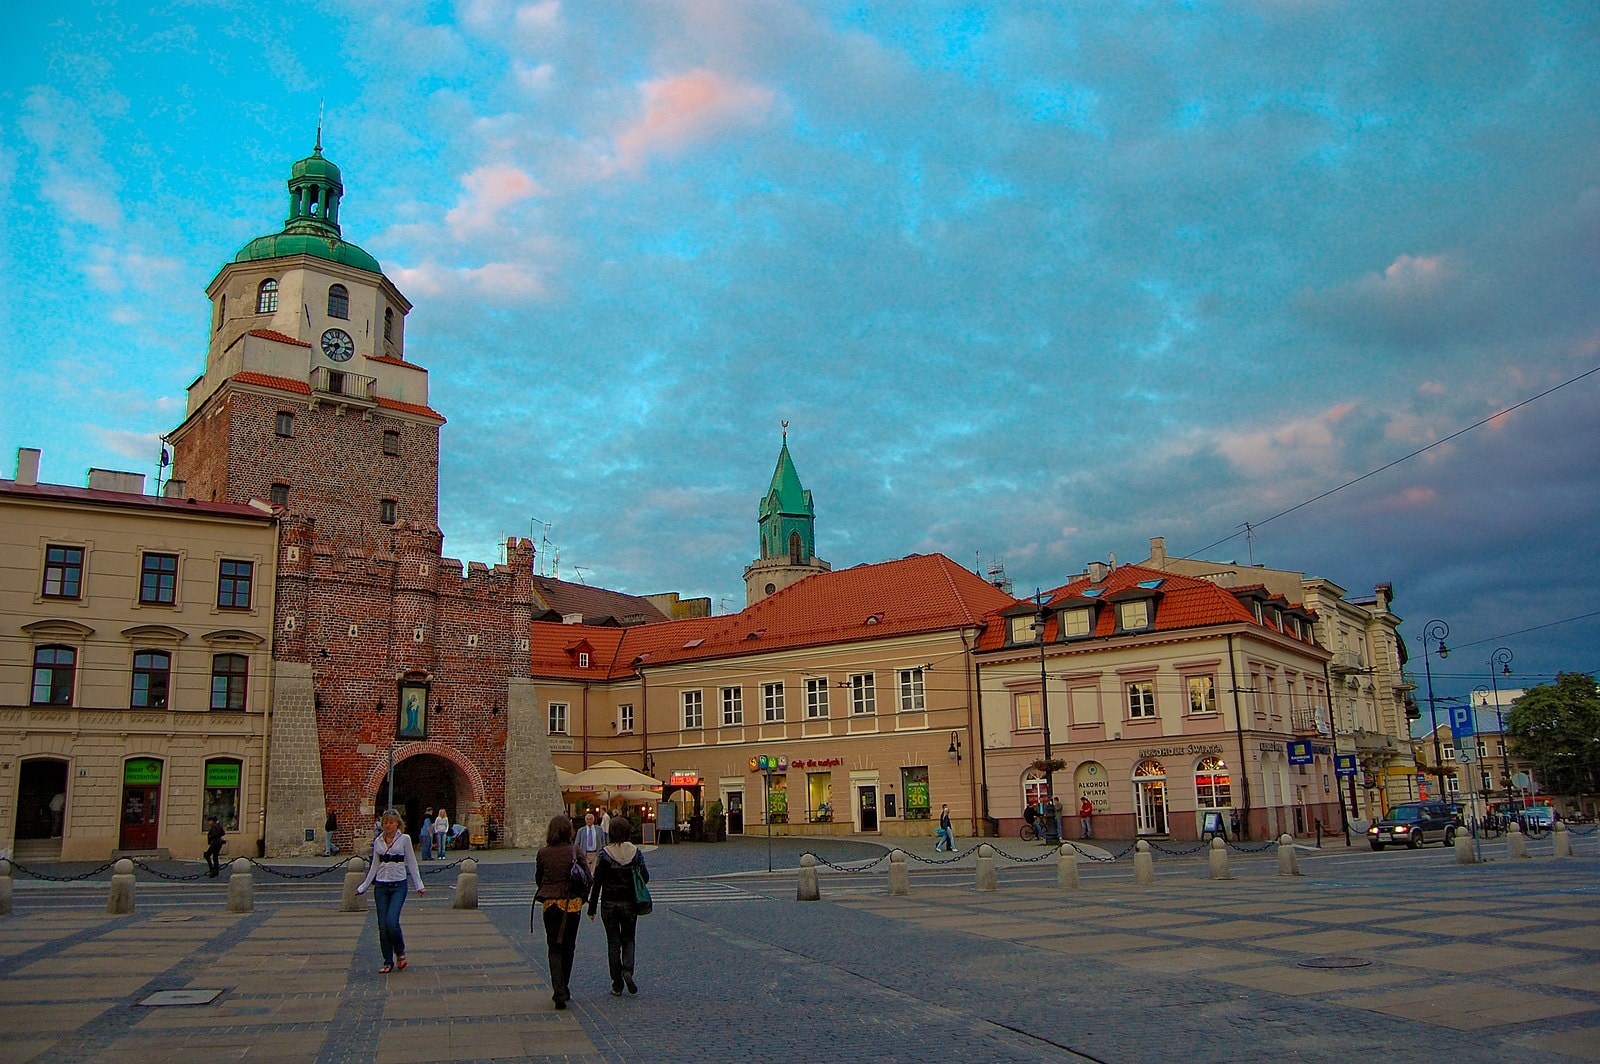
pixel 787 521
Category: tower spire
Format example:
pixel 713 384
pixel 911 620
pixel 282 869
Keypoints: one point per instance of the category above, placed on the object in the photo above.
pixel 321 105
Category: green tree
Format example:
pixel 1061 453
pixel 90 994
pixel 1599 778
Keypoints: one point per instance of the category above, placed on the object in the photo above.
pixel 1557 728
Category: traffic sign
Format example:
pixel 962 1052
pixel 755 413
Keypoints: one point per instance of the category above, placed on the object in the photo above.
pixel 1461 723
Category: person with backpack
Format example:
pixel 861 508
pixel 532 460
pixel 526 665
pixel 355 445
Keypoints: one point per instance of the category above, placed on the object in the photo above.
pixel 619 891
pixel 563 881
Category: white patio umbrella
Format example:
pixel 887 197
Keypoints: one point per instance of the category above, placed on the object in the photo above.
pixel 612 776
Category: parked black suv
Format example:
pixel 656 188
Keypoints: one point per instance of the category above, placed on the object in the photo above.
pixel 1414 823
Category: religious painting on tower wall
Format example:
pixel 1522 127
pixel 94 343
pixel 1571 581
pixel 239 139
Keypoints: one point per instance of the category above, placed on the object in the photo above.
pixel 413 722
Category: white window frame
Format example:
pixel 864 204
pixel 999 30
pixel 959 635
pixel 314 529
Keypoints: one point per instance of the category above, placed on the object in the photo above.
pixel 772 710
pixel 1123 608
pixel 1145 689
pixel 816 698
pixel 863 694
pixel 913 690
pixel 1209 707
pixel 558 718
pixel 1078 623
pixel 625 718
pixel 694 709
pixel 1035 715
pixel 732 707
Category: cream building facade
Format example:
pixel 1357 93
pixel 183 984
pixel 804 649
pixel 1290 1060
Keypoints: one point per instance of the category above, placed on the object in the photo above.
pixel 1368 682
pixel 135 668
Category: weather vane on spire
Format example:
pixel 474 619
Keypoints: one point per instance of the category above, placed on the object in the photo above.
pixel 321 105
pixel 785 425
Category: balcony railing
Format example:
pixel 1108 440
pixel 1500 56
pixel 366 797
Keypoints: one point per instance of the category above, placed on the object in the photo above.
pixel 1345 661
pixel 351 387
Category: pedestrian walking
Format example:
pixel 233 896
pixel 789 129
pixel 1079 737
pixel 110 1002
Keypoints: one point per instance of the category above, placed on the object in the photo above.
pixel 329 826
pixel 441 833
pixel 561 896
pixel 613 890
pixel 393 869
pixel 591 837
pixel 946 834
pixel 1086 817
pixel 215 837
pixel 58 809
pixel 425 835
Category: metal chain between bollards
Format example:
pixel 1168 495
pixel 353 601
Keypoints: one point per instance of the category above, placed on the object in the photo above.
pixel 60 879
pixel 1263 848
pixel 165 875
pixel 841 868
pixel 952 859
pixel 301 875
pixel 1028 860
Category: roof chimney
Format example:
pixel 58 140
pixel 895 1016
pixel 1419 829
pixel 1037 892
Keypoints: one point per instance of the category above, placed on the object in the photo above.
pixel 1158 552
pixel 175 489
pixel 115 480
pixel 1097 572
pixel 27 466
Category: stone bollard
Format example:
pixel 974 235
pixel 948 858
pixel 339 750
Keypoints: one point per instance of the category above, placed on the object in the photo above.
pixel 1219 860
pixel 466 886
pixel 1288 856
pixel 5 887
pixel 987 880
pixel 1516 841
pixel 350 901
pixel 1067 867
pixel 120 900
pixel 1144 864
pixel 809 889
pixel 241 887
pixel 1563 839
pixel 899 874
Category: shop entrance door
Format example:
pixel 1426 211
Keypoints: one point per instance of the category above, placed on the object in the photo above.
pixel 1150 798
pixel 141 816
pixel 735 812
pixel 867 803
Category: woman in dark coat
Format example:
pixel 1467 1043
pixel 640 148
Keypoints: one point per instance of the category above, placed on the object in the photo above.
pixel 562 900
pixel 613 892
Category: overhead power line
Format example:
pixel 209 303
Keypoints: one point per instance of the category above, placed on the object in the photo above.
pixel 1250 526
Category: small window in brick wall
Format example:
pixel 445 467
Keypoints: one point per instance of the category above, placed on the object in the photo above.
pixel 391 442
pixel 280 495
pixel 386 511
pixel 285 425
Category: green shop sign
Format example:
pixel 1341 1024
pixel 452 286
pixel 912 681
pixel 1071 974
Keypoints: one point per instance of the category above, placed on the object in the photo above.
pixel 142 770
pixel 222 774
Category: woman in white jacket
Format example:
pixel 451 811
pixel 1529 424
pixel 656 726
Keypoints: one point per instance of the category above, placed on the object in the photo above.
pixel 393 868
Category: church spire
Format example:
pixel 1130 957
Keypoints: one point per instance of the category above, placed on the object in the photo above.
pixel 786 519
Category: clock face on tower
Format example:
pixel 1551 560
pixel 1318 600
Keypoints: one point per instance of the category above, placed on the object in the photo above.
pixel 337 345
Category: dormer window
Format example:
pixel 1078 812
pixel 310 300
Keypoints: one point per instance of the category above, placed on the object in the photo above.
pixel 1076 624
pixel 583 659
pixel 338 301
pixel 1022 628
pixel 1133 616
pixel 267 297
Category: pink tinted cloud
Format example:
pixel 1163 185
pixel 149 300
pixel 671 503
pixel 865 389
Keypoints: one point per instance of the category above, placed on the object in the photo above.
pixel 489 190
pixel 688 109
pixel 1306 443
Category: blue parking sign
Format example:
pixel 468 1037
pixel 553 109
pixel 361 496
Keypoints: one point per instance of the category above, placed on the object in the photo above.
pixel 1461 722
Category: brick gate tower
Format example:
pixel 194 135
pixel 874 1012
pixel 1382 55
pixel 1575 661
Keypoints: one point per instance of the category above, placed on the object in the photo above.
pixel 385 652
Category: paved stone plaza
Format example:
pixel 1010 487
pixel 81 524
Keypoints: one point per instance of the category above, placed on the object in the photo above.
pixel 1492 962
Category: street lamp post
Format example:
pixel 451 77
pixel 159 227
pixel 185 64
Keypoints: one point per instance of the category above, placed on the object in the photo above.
pixel 1435 631
pixel 1044 703
pixel 1502 658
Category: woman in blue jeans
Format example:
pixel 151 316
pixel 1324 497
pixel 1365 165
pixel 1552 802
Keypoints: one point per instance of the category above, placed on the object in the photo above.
pixel 394 865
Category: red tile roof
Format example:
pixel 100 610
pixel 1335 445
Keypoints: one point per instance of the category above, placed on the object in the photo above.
pixel 273 334
pixel 409 408
pixel 100 497
pixel 387 361
pixel 596 605
pixel 1182 602
pixel 268 381
pixel 910 596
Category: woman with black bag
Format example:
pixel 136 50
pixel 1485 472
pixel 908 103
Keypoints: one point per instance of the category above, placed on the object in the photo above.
pixel 618 889
pixel 561 891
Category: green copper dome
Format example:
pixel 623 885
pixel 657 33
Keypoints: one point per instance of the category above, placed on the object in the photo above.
pixel 312 228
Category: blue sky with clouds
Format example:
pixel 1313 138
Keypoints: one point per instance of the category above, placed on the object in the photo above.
pixel 1033 282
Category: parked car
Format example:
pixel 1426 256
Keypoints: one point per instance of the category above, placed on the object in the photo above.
pixel 1414 823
